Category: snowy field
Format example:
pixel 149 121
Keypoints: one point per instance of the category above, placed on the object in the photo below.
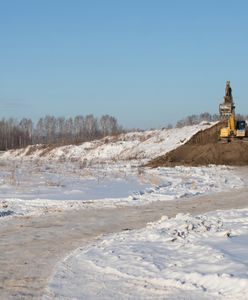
pixel 187 257
pixel 103 174
pixel 33 188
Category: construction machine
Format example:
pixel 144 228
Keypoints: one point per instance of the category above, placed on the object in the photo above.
pixel 234 129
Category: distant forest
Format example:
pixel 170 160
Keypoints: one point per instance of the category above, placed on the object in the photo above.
pixel 196 119
pixel 52 130
pixel 63 131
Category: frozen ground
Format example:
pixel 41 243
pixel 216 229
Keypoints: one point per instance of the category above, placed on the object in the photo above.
pixel 54 202
pixel 34 188
pixel 186 257
pixel 37 180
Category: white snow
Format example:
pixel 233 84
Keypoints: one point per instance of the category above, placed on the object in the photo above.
pixel 139 146
pixel 104 173
pixel 186 257
pixel 33 188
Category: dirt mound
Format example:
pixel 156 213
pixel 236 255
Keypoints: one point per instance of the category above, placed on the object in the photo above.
pixel 204 148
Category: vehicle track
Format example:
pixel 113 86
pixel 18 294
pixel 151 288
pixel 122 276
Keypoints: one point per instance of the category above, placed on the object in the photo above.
pixel 30 247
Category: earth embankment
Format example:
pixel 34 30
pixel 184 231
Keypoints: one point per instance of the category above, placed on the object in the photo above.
pixel 204 148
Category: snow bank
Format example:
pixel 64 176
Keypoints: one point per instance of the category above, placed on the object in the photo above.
pixel 183 182
pixel 201 257
pixel 29 188
pixel 131 146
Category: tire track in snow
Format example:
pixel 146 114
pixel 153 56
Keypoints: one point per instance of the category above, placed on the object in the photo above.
pixel 31 246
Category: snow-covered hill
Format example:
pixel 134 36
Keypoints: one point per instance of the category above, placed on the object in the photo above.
pixel 131 146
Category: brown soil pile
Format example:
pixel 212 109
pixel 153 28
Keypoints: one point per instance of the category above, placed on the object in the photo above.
pixel 204 148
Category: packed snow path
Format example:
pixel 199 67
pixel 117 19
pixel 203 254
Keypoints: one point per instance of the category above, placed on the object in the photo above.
pixel 31 246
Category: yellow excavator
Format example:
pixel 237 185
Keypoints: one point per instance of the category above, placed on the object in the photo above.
pixel 235 129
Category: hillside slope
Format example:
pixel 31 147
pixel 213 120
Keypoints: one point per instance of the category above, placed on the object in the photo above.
pixel 204 149
pixel 131 146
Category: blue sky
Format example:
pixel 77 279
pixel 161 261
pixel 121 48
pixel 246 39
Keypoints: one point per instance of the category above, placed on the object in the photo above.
pixel 149 63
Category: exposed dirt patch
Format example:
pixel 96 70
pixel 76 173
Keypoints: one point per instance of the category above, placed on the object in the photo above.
pixel 204 148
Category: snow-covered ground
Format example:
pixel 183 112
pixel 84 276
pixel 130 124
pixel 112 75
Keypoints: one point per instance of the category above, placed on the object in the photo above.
pixel 186 257
pixel 31 188
pixel 104 173
pixel 136 146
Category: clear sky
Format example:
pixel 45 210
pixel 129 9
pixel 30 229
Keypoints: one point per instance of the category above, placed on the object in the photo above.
pixel 147 62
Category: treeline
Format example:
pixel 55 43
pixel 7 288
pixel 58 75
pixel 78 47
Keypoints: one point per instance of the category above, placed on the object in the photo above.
pixel 53 130
pixel 196 119
pixel 61 130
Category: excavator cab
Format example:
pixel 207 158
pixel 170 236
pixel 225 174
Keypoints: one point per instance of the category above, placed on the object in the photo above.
pixel 234 129
pixel 240 129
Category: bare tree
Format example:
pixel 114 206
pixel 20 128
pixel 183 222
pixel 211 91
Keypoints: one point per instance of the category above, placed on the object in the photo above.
pixel 14 134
